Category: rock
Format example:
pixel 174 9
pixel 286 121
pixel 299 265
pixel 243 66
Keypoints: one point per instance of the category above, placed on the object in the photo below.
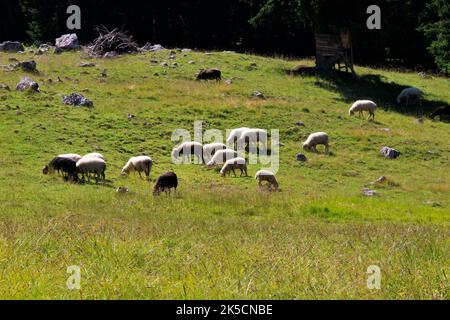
pixel 154 61
pixel 300 124
pixel 27 84
pixel 301 157
pixel 229 81
pixel 164 64
pixel 389 153
pixel 186 50
pixel 28 66
pixel 156 47
pixel 419 121
pixel 380 180
pixel 67 42
pixel 76 99
pixel 58 51
pixel 385 129
pixel 87 64
pixel 122 190
pixel 4 87
pixel 259 95
pixel 191 62
pixel 252 66
pixel 369 193
pixel 103 74
pixel 130 116
pixel 432 203
pixel 172 56
pixel 11 46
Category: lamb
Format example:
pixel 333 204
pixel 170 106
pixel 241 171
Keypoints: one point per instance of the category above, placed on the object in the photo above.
pixel 209 150
pixel 138 164
pixel 94 155
pixel 361 106
pixel 234 136
pixel 440 111
pixel 67 166
pixel 269 177
pixel 315 139
pixel 222 156
pixel 187 149
pixel 253 136
pixel 165 183
pixel 232 164
pixel 209 74
pixel 94 165
pixel 409 95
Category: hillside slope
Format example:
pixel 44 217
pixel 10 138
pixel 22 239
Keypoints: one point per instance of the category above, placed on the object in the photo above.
pixel 220 237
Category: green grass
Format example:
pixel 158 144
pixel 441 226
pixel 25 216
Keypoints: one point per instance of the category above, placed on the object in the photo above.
pixel 220 237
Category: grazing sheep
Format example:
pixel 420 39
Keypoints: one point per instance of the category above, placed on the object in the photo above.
pixel 234 136
pixel 75 157
pixel 441 111
pixel 186 149
pixel 67 166
pixel 363 105
pixel 94 165
pixel 232 164
pixel 138 164
pixel 269 177
pixel 410 95
pixel 253 136
pixel 209 150
pixel 209 74
pixel 94 155
pixel 315 139
pixel 165 183
pixel 222 156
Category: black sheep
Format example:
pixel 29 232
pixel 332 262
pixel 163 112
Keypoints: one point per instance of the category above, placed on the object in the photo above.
pixel 165 183
pixel 441 111
pixel 67 167
pixel 210 74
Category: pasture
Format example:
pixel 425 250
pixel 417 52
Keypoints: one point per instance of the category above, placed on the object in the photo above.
pixel 220 238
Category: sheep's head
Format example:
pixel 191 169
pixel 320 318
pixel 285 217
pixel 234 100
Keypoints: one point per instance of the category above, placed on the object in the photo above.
pixel 399 99
pixel 305 147
pixel 125 172
pixel 45 170
pixel 351 113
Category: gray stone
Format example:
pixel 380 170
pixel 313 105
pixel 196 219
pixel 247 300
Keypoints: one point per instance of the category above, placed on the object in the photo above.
pixel 28 66
pixel 259 95
pixel 87 64
pixel 389 153
pixel 300 123
pixel 27 84
pixel 11 46
pixel 4 86
pixel 76 99
pixel 67 42
pixel 369 193
pixel 301 157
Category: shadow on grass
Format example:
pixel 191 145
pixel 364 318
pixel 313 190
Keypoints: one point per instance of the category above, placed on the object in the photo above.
pixel 372 87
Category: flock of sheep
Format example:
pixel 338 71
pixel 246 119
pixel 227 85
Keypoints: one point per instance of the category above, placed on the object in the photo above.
pixel 215 154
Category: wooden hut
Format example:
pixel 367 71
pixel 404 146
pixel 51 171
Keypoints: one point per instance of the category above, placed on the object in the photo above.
pixel 334 50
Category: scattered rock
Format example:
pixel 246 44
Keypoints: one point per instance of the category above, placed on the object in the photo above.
pixel 300 124
pixel 164 64
pixel 58 51
pixel 174 64
pixel 67 42
pixel 130 116
pixel 301 157
pixel 76 99
pixel 191 62
pixel 4 87
pixel 385 129
pixel 103 74
pixel 379 180
pixel 186 50
pixel 172 56
pixel 122 190
pixel 110 55
pixel 418 121
pixel 229 81
pixel 259 95
pixel 389 153
pixel 432 203
pixel 369 193
pixel 19 113
pixel 28 66
pixel 11 46
pixel 252 66
pixel 27 84
pixel 154 61
pixel 151 48
pixel 87 64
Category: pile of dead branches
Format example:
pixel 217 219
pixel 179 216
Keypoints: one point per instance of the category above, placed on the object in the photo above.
pixel 115 41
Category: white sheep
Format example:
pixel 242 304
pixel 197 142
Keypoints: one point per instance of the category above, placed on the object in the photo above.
pixel 234 136
pixel 222 156
pixel 210 149
pixel 363 105
pixel 94 155
pixel 187 149
pixel 269 177
pixel 138 164
pixel 72 156
pixel 315 139
pixel 232 164
pixel 253 137
pixel 410 95
pixel 94 165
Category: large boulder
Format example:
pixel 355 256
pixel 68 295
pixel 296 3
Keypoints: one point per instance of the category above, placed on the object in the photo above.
pixel 389 153
pixel 77 100
pixel 28 66
pixel 67 42
pixel 11 46
pixel 27 84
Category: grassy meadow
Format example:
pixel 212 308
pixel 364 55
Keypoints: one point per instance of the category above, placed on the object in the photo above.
pixel 220 238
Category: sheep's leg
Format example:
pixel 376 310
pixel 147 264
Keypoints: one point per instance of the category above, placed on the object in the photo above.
pixel 140 175
pixel 233 172
pixel 326 148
